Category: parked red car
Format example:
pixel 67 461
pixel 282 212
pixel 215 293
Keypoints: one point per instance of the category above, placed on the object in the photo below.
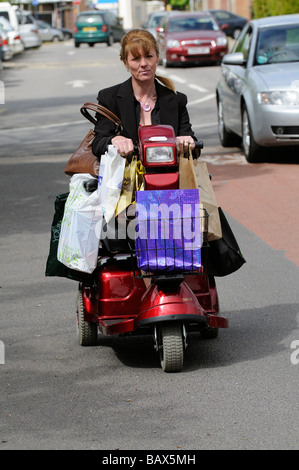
pixel 190 38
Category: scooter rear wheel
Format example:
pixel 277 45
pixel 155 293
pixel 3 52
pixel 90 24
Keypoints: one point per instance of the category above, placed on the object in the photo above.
pixel 171 347
pixel 87 332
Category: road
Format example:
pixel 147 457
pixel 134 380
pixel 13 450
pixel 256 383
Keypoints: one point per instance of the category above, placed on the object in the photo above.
pixel 239 391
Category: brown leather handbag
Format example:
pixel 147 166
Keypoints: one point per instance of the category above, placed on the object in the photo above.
pixel 83 160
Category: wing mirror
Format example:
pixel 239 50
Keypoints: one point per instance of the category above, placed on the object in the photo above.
pixel 234 58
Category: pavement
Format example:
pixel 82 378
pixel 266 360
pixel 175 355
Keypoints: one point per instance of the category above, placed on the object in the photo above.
pixel 262 197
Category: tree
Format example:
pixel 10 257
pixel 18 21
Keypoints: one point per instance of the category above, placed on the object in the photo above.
pixel 262 8
pixel 178 4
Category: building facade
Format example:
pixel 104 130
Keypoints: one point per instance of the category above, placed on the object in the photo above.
pixel 133 12
pixel 239 7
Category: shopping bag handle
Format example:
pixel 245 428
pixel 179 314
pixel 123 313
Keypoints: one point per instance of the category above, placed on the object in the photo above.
pixel 98 108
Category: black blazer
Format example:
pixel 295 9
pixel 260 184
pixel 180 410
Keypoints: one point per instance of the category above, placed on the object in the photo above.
pixel 120 100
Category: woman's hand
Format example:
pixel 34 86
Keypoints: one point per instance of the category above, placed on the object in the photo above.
pixel 124 145
pixel 182 143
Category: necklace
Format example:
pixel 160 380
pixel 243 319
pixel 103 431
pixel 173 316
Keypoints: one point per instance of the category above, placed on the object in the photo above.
pixel 145 105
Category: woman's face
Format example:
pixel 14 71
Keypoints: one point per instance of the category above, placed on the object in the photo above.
pixel 143 66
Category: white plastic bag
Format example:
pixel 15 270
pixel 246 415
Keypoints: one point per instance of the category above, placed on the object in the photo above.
pixel 81 226
pixel 110 179
pixel 78 241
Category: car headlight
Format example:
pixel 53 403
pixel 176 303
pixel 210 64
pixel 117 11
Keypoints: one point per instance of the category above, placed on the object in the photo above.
pixel 285 98
pixel 173 43
pixel 159 154
pixel 221 41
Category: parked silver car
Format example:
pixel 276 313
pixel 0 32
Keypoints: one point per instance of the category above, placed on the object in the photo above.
pixel 1 44
pixel 48 32
pixel 6 49
pixel 14 38
pixel 258 92
pixel 153 21
pixel 28 29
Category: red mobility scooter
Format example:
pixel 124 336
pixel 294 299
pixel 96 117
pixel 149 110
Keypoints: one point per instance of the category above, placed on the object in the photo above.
pixel 124 300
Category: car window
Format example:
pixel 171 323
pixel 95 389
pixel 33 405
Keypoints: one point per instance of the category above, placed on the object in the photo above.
pixel 148 20
pixel 5 14
pixel 163 22
pixel 192 24
pixel 156 21
pixel 221 15
pixel 92 18
pixel 111 18
pixel 277 45
pixel 243 44
pixel 25 19
pixel 5 24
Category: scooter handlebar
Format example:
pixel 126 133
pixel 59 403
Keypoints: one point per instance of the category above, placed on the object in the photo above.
pixel 199 145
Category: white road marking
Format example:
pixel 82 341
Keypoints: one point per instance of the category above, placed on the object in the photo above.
pixel 46 126
pixel 224 159
pixel 78 83
pixel 207 124
pixel 201 100
pixel 198 88
pixel 175 78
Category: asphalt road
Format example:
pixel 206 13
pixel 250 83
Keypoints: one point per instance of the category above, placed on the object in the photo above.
pixel 239 391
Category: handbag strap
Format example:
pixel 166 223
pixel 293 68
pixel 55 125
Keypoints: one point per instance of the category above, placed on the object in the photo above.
pixel 97 108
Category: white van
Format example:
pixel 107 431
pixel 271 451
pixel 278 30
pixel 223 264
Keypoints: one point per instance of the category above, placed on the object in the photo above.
pixel 9 12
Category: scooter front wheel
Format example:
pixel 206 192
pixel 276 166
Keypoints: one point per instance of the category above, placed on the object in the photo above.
pixel 87 332
pixel 171 347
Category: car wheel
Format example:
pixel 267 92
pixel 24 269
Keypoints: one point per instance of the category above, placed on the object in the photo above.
pixel 227 139
pixel 55 39
pixel 91 44
pixel 251 149
pixel 110 41
pixel 77 44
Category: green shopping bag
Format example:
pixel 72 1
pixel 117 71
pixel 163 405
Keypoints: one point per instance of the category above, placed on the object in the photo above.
pixel 53 266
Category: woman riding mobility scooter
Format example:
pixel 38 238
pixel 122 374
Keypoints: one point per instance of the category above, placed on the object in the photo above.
pixel 126 297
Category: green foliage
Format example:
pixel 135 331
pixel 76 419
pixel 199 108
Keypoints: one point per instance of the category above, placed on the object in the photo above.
pixel 262 8
pixel 178 4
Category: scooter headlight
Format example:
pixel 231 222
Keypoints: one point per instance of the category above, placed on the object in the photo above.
pixel 159 154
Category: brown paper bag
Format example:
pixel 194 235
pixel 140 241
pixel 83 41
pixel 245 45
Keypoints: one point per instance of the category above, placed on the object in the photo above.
pixel 208 199
pixel 187 178
pixel 194 174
